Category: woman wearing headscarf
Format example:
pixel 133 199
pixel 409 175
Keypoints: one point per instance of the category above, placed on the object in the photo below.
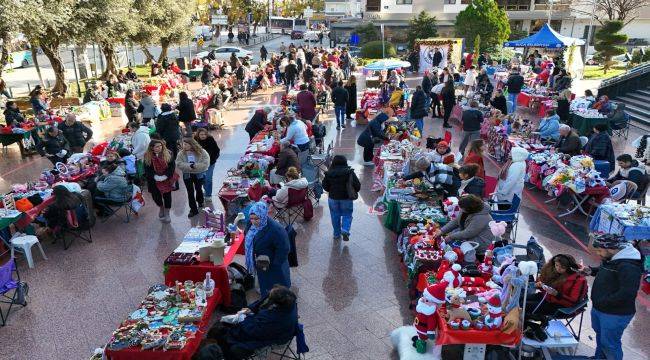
pixel 267 249
pixel 511 177
pixel 603 105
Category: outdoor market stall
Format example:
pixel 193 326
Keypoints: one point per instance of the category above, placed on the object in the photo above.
pixel 629 220
pixel 450 51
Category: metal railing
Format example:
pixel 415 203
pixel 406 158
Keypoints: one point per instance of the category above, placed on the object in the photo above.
pixel 634 79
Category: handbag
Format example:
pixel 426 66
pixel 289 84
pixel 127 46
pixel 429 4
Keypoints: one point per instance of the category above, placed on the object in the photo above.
pixel 352 192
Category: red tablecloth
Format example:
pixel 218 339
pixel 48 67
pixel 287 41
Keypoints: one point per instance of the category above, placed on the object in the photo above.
pixel 117 100
pixel 197 272
pixel 185 353
pixel 447 336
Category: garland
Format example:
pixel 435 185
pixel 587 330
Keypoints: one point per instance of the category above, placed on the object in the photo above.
pixel 449 44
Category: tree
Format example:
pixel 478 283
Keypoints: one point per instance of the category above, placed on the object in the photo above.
pixel 607 10
pixel 9 22
pixel 367 32
pixel 609 41
pixel 422 26
pixel 483 17
pixel 50 23
pixel 259 12
pixel 477 48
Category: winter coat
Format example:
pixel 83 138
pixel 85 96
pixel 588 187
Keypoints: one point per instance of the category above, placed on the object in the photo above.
pixel 148 108
pixel 291 71
pixel 340 96
pixel 207 75
pixel 201 163
pixel 472 119
pixel 475 186
pixel 572 290
pixel 473 158
pixel 499 103
pixel 306 105
pixel 351 105
pixel 13 117
pixel 38 104
pixel 51 145
pixel 600 147
pixel 448 98
pixel 427 85
pixel 636 173
pixel 336 180
pixel 549 127
pixel 210 145
pixel 272 241
pixel 281 197
pixel 474 228
pixel 77 134
pixel 617 282
pixel 256 123
pixel 167 127
pixel 186 111
pixel 373 130
pixel 563 111
pixel 418 105
pixel 149 173
pixel 569 144
pixel 114 186
pixel 515 83
pixel 514 182
pixel 286 159
pixel 265 327
pixel 131 108
pixel 140 142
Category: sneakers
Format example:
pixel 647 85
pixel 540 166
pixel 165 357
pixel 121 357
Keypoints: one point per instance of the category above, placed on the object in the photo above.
pixel 192 213
pixel 165 219
pixel 343 126
pixel 336 238
pixel 338 127
pixel 346 237
pixel 161 213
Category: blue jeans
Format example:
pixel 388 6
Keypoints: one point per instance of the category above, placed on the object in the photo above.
pixel 341 213
pixel 207 180
pixel 513 97
pixel 419 123
pixel 339 111
pixel 609 331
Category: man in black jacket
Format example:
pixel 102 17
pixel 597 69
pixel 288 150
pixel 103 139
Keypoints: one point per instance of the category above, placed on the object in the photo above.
pixel 514 84
pixel 472 119
pixel 76 133
pixel 340 98
pixel 613 293
pixel 569 142
pixel 291 72
pixel 54 146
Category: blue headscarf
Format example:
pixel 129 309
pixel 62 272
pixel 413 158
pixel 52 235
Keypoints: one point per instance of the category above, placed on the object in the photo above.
pixel 261 210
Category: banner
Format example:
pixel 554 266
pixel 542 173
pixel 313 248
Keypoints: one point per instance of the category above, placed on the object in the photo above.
pixel 433 56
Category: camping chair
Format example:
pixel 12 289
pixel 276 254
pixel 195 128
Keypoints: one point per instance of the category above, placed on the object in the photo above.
pixel 314 191
pixel 571 313
pixel 321 161
pixel 511 215
pixel 112 207
pixel 294 208
pixel 7 284
pixel 284 351
pixel 620 122
pixel 78 221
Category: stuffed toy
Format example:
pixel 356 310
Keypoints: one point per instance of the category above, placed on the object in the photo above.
pixel 426 321
pixel 455 309
pixel 494 318
pixel 498 228
pixel 453 277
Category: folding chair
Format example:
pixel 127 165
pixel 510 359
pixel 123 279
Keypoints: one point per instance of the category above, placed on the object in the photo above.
pixel 511 215
pixel 314 191
pixel 294 207
pixel 571 313
pixel 7 284
pixel 78 221
pixel 284 351
pixel 642 192
pixel 321 161
pixel 112 207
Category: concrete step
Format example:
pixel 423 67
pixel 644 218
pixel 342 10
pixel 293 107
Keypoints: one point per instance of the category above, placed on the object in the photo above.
pixel 635 101
pixel 638 114
pixel 645 92
pixel 638 97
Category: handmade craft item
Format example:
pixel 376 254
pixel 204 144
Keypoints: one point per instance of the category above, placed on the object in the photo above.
pixel 426 321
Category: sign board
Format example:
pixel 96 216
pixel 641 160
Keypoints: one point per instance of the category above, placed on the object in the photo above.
pixel 308 13
pixel 219 20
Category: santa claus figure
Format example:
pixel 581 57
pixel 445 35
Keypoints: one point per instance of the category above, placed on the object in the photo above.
pixel 494 318
pixel 426 320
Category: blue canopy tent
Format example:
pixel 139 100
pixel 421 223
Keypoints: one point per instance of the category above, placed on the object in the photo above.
pixel 546 37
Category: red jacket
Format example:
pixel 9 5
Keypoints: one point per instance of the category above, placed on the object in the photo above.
pixel 572 290
pixel 473 158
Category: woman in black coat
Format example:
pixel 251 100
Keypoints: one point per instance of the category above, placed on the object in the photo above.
pixel 351 105
pixel 499 102
pixel 448 100
pixel 599 146
pixel 563 106
pixel 168 129
pixel 339 180
pixel 131 106
pixel 186 112
pixel 371 133
pixel 13 117
pixel 418 108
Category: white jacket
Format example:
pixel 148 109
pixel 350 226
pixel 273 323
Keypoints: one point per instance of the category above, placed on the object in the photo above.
pixel 514 182
pixel 140 142
pixel 281 197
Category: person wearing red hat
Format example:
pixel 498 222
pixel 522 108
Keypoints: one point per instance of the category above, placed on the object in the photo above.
pixel 442 154
pixel 426 321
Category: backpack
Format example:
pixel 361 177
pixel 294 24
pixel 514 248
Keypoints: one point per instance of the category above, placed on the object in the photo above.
pixel 352 192
pixel 238 274
pixel 319 131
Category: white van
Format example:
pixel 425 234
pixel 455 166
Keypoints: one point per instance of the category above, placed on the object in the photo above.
pixel 204 31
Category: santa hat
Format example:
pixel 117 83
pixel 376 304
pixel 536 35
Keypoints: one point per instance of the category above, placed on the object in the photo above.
pixel 494 304
pixel 436 292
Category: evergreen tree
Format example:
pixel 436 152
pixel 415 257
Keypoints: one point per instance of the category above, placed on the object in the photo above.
pixel 422 26
pixel 609 41
pixel 485 18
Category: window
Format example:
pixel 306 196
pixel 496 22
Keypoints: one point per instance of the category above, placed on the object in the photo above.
pixel 373 5
pixel 594 28
pixel 514 5
pixel 449 2
pixel 404 2
pixel 465 2
pixel 516 25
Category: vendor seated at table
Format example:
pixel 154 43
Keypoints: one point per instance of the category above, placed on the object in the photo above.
pixel 559 285
pixel 631 170
pixel 54 146
pixel 472 224
pixel 442 154
pixel 293 181
pixel 569 141
pixel 112 186
pixel 469 182
pixel 13 117
pixel 287 158
pixel 270 321
pixel 64 200
pixel 112 158
pixel 603 105
pixel 442 177
pixel 589 96
pixel 549 126
pixel 599 146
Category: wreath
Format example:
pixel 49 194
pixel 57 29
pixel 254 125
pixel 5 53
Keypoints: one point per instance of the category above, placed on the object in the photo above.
pixel 449 44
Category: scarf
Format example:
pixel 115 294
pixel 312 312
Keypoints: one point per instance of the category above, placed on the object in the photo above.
pixel 261 210
pixel 159 165
pixel 503 174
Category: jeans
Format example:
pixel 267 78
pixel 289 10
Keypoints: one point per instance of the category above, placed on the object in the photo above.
pixel 368 153
pixel 609 330
pixel 207 180
pixel 341 213
pixel 340 115
pixel 419 123
pixel 468 136
pixel 513 97
pixel 194 184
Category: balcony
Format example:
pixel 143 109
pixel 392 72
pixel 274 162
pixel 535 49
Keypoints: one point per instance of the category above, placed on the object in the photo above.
pixel 559 7
pixel 453 8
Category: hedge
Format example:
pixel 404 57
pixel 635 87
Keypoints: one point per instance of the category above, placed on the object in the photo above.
pixel 372 50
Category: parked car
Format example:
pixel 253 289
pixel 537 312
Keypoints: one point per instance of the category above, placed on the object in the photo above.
pixel 297 34
pixel 223 53
pixel 202 31
pixel 19 59
pixel 311 36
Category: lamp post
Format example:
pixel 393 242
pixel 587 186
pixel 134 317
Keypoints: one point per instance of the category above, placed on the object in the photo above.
pixel 550 11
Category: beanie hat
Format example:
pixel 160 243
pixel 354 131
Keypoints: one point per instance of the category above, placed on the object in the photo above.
pixel 436 292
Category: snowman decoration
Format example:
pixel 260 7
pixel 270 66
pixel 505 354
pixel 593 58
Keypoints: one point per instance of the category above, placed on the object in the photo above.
pixel 494 318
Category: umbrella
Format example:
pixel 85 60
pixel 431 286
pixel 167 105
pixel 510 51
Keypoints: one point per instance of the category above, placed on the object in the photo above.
pixel 387 65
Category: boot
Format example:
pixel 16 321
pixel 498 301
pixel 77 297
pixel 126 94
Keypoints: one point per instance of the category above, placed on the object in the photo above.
pixel 166 219
pixel 161 212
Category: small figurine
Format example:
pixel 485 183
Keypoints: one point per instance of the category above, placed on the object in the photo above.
pixel 494 318
pixel 426 322
pixel 456 310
